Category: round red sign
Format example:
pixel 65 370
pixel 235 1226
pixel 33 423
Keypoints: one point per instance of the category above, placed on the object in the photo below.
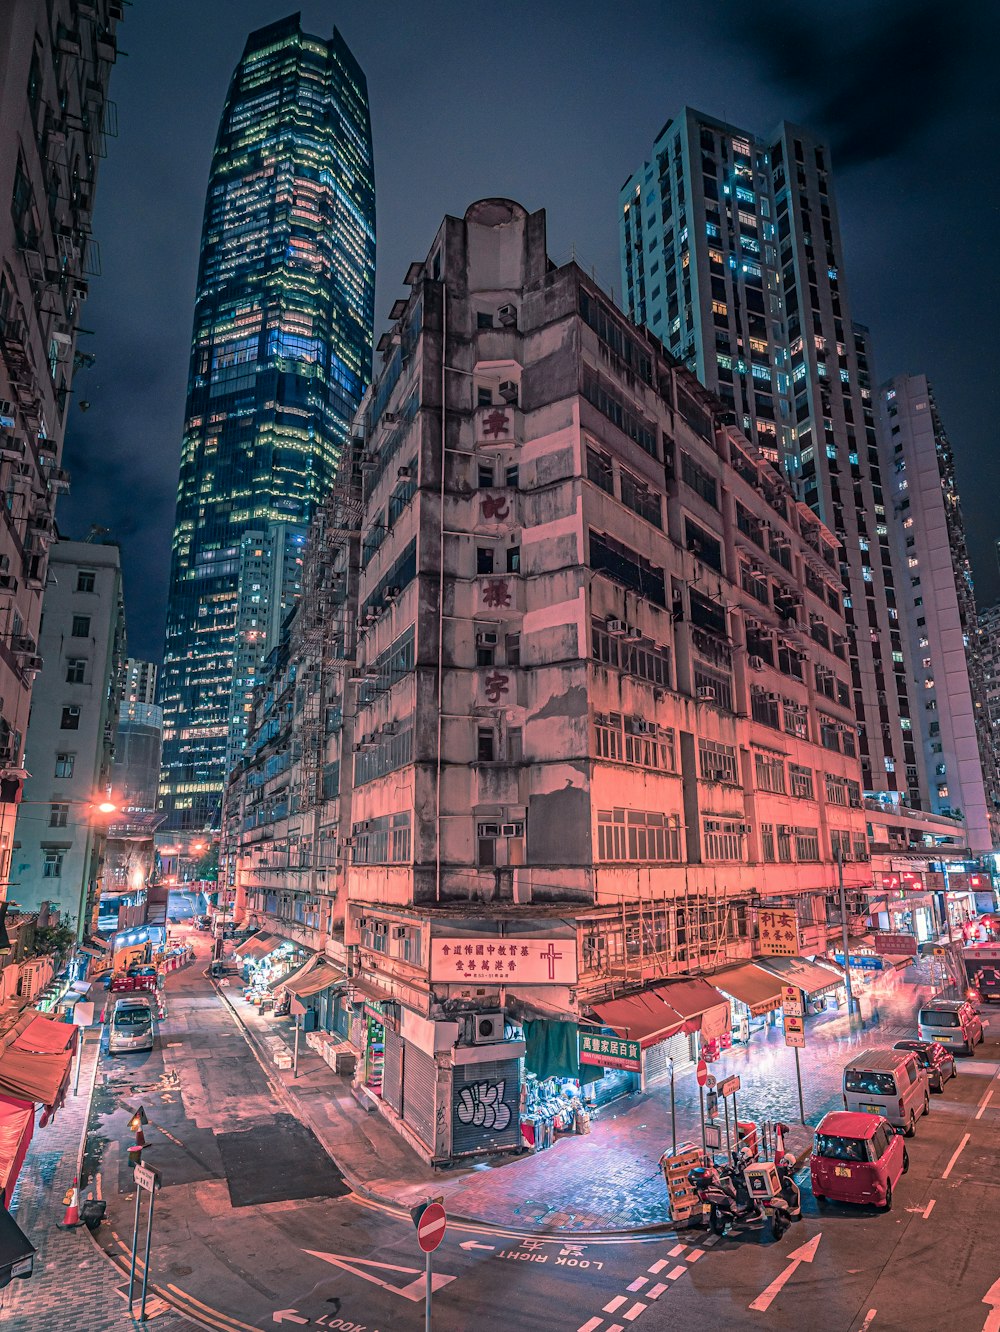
pixel 431 1227
pixel 702 1073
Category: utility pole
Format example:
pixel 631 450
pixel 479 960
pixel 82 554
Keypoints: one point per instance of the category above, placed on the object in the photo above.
pixel 851 1007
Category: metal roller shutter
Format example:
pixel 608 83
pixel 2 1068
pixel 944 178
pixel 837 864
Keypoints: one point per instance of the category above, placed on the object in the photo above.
pixel 485 1103
pixel 419 1086
pixel 677 1048
pixel 392 1071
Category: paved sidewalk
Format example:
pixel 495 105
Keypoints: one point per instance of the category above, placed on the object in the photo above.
pixel 73 1284
pixel 610 1179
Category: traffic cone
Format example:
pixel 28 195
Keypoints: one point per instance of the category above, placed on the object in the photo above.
pixel 71 1219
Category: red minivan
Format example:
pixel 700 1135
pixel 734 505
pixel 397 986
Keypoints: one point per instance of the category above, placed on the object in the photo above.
pixel 857 1158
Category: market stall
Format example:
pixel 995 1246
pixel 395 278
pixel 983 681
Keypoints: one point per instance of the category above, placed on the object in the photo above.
pixel 821 983
pixel 754 996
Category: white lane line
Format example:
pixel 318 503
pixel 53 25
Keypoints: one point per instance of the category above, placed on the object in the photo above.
pixel 958 1152
pixel 987 1097
pixel 869 1319
pixel 677 1250
pixel 655 1292
pixel 695 1254
pixel 657 1267
pixel 590 1325
pixel 929 1208
pixel 675 1272
pixel 616 1303
pixel 633 1313
pixel 638 1284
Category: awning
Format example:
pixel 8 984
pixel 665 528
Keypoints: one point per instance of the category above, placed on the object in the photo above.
pixel 701 1006
pixel 17 1123
pixel 295 977
pixel 43 1035
pixel 258 945
pixel 17 1253
pixel 812 977
pixel 758 989
pixel 640 1017
pixel 34 1077
pixel 317 977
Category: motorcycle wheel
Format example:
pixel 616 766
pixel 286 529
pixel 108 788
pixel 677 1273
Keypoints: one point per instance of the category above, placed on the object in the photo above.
pixel 716 1221
pixel 778 1225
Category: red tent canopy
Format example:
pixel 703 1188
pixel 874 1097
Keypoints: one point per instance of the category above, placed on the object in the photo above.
pixel 35 1060
pixel 44 1036
pixel 17 1123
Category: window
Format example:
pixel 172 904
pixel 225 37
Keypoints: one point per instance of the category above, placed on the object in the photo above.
pixel 380 841
pixel 64 765
pixel 86 580
pixel 806 844
pixel 513 559
pixel 52 863
pixel 599 469
pixel 717 762
pixel 515 744
pixel 638 835
pixel 836 790
pixel 640 499
pixel 769 773
pixel 58 815
pixel 800 782
pixel 76 669
pixel 512 648
pixel 81 626
pixel 500 844
pixel 767 842
pixel 70 720
pixel 485 745
pixel 723 839
pixel 484 560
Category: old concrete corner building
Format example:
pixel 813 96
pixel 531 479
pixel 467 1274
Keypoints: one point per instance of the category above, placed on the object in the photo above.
pixel 597 727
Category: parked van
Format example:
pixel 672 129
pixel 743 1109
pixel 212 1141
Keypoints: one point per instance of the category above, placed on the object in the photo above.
pixel 952 1023
pixel 131 1025
pixel 890 1083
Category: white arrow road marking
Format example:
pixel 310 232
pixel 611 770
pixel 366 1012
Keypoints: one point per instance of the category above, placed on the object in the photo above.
pixel 955 1155
pixel 992 1298
pixel 414 1291
pixel 471 1244
pixel 805 1254
pixel 288 1316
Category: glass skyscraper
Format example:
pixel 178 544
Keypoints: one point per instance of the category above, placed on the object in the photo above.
pixel 280 356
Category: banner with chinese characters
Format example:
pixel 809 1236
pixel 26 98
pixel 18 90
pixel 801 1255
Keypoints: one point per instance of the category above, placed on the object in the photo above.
pixel 505 961
pixel 610 1052
pixel 777 933
pixel 899 945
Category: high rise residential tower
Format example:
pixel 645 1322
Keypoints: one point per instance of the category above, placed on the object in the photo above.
pixel 732 256
pixel 281 352
pixel 937 593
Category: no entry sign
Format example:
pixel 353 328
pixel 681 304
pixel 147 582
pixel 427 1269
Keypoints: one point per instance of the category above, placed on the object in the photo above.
pixel 431 1227
pixel 701 1073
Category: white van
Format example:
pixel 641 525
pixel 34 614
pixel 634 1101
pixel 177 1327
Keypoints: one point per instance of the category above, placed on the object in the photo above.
pixel 131 1026
pixel 890 1083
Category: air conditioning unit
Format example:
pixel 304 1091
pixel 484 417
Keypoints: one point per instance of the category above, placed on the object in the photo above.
pixel 32 664
pixel 507 314
pixel 509 391
pixel 617 628
pixel 487 638
pixel 634 635
pixel 404 473
pixel 706 693
pixel 510 830
pixel 390 728
pixel 487 1028
pixel 773 698
pixel 391 593
pixel 756 663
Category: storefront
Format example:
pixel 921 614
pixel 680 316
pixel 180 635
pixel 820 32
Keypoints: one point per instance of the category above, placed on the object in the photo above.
pixel 668 1022
pixel 267 961
pixel 312 985
pixel 821 983
pixel 754 997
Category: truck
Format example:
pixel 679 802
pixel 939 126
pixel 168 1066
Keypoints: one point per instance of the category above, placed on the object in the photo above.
pixel 982 969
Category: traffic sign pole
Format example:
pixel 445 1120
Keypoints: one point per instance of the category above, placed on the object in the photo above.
pixel 430 1221
pixel 702 1075
pixel 798 1079
pixel 427 1294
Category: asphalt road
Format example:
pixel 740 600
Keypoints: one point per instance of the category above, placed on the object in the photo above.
pixel 255 1227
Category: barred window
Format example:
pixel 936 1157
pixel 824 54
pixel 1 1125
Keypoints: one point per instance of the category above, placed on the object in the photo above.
pixel 636 494
pixel 767 842
pixel 723 839
pixel 764 708
pixel 720 687
pixel 769 773
pixel 801 782
pixel 382 841
pixel 806 844
pixel 608 732
pixel 390 753
pixel 641 657
pixel 638 835
pixel 700 481
pixel 717 762
pixel 599 469
pixel 609 403
pixel 647 748
pixel 796 719
pixel 836 790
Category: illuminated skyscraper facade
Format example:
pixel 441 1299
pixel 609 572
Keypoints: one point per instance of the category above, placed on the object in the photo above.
pixel 281 353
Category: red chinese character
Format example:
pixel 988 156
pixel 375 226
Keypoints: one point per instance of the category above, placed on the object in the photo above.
pixel 468 950
pixel 496 592
pixel 511 966
pixel 497 965
pixel 524 950
pixel 460 965
pixel 445 951
pixel 496 686
pixel 494 506
pixel 479 950
pixel 490 949
pixel 495 424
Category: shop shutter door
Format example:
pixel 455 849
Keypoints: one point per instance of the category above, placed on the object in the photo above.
pixel 485 1105
pixel 419 1085
pixel 392 1071
pixel 677 1048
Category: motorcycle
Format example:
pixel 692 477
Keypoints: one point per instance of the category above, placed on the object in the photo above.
pixel 733 1202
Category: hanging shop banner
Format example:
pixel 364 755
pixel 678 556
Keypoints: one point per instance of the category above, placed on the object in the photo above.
pixel 504 961
pixel 778 933
pixel 899 945
pixel 610 1052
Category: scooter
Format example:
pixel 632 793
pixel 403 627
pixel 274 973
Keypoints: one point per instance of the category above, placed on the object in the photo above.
pixel 732 1203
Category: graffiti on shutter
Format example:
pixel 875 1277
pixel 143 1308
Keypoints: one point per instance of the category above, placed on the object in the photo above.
pixel 484 1111
pixel 392 1071
pixel 419 1084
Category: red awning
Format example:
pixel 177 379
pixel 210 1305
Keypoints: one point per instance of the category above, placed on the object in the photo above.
pixel 640 1017
pixel 17 1123
pixel 258 945
pixel 42 1035
pixel 35 1077
pixel 701 1006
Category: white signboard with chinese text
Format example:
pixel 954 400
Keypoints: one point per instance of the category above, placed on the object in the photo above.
pixel 777 933
pixel 504 961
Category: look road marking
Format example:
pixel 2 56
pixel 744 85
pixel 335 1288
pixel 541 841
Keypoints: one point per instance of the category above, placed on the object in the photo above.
pixel 955 1155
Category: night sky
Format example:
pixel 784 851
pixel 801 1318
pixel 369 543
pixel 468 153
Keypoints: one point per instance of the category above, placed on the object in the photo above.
pixel 553 104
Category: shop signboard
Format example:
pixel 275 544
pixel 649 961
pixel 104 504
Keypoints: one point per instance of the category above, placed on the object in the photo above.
pixel 610 1052
pixel 898 944
pixel 861 961
pixel 503 960
pixel 791 1001
pixel 729 1086
pixel 778 933
pixel 795 1032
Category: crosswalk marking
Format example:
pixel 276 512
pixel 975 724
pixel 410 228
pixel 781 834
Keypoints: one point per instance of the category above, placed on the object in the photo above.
pixel 675 1272
pixel 638 1283
pixel 657 1267
pixel 677 1250
pixel 633 1313
pixel 614 1304
pixel 655 1292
